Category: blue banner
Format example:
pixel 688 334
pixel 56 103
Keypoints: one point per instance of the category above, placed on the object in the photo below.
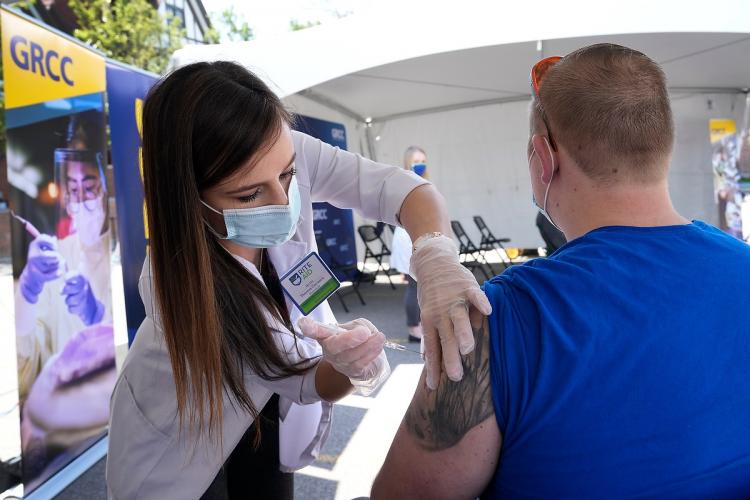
pixel 126 89
pixel 334 227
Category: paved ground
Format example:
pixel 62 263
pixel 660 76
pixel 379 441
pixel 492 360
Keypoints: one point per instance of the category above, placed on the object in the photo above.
pixel 363 427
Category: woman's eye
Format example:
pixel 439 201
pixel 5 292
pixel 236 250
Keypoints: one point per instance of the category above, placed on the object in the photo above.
pixel 289 173
pixel 249 198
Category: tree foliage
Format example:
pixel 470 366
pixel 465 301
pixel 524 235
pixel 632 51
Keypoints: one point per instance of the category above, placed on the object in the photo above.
pixel 131 31
pixel 295 25
pixel 237 29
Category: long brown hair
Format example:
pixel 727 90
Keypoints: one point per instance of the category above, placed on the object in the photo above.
pixel 200 124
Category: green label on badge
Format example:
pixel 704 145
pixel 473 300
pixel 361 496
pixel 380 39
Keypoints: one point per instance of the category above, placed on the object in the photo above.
pixel 319 296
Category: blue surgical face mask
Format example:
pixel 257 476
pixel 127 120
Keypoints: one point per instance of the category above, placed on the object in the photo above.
pixel 419 168
pixel 262 227
pixel 543 208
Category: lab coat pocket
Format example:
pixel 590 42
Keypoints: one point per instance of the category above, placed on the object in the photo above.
pixel 135 445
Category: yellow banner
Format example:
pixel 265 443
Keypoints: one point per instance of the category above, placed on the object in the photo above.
pixel 41 66
pixel 720 128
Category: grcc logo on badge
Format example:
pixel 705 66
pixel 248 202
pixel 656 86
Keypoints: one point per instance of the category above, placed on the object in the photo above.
pixel 30 56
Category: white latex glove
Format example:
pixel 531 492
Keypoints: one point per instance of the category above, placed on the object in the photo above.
pixel 354 349
pixel 445 290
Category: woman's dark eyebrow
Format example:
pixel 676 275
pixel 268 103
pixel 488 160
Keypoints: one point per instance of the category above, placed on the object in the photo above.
pixel 251 186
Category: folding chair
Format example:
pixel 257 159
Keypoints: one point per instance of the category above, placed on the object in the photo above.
pixel 489 242
pixel 351 271
pixel 467 248
pixel 370 235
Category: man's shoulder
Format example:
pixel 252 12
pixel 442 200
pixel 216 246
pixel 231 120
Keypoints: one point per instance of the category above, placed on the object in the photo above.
pixel 727 241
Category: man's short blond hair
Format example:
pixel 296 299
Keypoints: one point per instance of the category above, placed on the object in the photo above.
pixel 609 107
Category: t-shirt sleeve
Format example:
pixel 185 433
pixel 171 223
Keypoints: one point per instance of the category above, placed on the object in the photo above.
pixel 514 351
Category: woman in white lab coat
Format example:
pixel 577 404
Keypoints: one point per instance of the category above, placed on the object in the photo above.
pixel 229 191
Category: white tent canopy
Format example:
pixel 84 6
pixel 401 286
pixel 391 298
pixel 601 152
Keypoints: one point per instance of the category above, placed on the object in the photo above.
pixel 454 78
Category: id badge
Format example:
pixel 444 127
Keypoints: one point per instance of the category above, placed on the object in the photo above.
pixel 309 283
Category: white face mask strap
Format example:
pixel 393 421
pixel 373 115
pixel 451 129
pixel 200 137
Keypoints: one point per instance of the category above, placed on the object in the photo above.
pixel 552 158
pixel 210 207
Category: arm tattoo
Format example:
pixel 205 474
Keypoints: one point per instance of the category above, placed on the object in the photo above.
pixel 439 419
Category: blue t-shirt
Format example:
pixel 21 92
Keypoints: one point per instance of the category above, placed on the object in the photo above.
pixel 620 367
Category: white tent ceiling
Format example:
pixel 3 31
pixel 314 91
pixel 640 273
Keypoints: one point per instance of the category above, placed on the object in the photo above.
pixel 454 78
pixel 409 56
pixel 501 73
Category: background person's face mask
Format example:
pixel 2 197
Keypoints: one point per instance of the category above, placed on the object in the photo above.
pixel 261 227
pixel 419 168
pixel 88 223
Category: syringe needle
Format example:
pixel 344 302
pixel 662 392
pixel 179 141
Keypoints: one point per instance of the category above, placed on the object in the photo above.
pixel 399 347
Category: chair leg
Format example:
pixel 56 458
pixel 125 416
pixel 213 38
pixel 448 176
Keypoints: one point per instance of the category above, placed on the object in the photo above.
pixel 483 257
pixel 510 261
pixel 361 300
pixel 355 287
pixel 390 281
pixel 503 257
pixel 480 265
pixel 343 304
pixel 382 269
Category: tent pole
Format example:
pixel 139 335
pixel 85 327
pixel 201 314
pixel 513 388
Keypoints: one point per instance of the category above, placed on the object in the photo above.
pixel 370 143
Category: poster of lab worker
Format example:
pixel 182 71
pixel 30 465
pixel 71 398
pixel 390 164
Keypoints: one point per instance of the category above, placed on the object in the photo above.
pixel 59 193
pixel 725 164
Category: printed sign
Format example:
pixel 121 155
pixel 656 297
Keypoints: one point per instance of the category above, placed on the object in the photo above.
pixel 61 243
pixel 725 165
pixel 334 227
pixel 126 89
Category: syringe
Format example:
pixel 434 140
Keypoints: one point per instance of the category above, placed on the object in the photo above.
pixel 399 347
pixel 33 231
pixel 388 344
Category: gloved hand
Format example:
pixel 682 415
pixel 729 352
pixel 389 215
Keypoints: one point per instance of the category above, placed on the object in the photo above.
pixel 354 349
pixel 44 263
pixel 445 290
pixel 81 301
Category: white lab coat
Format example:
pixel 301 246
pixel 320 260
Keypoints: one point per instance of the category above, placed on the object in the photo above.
pixel 148 456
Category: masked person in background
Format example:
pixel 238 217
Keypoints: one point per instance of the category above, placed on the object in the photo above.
pixel 415 160
pixel 65 285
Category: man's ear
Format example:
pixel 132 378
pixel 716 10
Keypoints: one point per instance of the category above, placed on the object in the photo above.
pixel 548 157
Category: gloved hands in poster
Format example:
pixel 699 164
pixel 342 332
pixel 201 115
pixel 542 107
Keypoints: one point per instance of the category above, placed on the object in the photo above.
pixel 354 349
pixel 44 263
pixel 80 299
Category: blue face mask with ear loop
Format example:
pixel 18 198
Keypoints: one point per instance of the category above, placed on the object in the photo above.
pixel 543 209
pixel 261 227
pixel 419 168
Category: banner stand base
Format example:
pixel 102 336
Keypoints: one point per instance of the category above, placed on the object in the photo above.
pixel 57 483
